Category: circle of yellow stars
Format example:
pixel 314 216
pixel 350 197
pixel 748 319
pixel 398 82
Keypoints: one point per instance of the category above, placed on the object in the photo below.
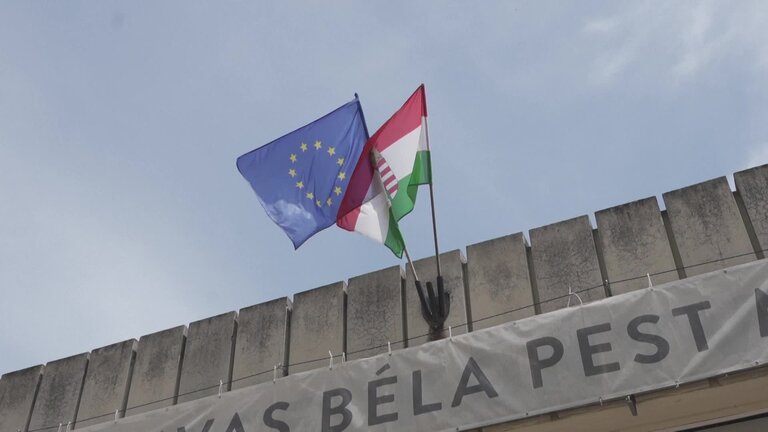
pixel 341 176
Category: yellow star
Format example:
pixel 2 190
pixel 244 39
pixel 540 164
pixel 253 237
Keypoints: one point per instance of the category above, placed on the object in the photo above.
pixel 310 195
pixel 303 147
pixel 331 151
pixel 300 184
pixel 319 203
pixel 293 157
pixel 340 161
pixel 318 145
pixel 337 190
pixel 342 175
pixel 292 172
pixel 329 202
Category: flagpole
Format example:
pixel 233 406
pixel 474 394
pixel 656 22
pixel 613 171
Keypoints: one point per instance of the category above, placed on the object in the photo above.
pixel 419 290
pixel 440 287
pixel 410 263
pixel 432 201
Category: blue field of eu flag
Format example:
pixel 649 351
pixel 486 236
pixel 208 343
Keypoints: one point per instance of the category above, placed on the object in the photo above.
pixel 301 177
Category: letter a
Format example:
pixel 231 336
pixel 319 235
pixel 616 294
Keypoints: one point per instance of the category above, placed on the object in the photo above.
pixel 483 384
pixel 235 425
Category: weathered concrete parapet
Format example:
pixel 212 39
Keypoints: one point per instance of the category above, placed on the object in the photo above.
pixel 154 383
pixel 708 227
pixel 262 342
pixel 17 394
pixel 499 281
pixel 106 383
pixel 451 264
pixel 752 185
pixel 317 326
pixel 634 243
pixel 564 255
pixel 374 312
pixel 207 357
pixel 59 392
pixel 704 223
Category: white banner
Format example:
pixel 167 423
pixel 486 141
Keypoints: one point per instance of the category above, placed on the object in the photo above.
pixel 645 340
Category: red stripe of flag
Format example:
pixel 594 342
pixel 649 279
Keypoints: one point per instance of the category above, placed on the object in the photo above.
pixel 405 120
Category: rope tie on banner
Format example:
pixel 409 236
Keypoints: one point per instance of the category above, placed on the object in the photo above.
pixel 571 294
pixel 650 283
pixel 389 347
pixel 221 384
pixel 117 413
pixel 274 373
pixel 330 355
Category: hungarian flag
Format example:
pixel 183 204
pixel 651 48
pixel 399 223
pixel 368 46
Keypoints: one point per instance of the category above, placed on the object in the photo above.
pixel 393 163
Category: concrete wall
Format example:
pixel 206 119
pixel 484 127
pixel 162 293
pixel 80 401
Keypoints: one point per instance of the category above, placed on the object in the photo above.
pixel 207 360
pixel 564 257
pixel 155 379
pixel 499 281
pixel 634 243
pixel 262 342
pixel 375 313
pixel 704 227
pixel 317 326
pixel 59 393
pixel 709 230
pixel 106 383
pixel 17 395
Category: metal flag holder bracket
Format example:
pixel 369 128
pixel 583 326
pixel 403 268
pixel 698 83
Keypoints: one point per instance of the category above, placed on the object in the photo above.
pixel 435 306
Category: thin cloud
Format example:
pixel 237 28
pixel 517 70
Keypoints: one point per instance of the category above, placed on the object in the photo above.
pixel 677 41
pixel 758 155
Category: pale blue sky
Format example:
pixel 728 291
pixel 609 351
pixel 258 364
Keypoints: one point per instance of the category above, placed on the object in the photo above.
pixel 122 212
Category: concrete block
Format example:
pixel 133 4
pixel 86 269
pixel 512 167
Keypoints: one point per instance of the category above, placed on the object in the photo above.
pixel 317 326
pixel 374 313
pixel 106 383
pixel 17 395
pixel 154 383
pixel 564 254
pixel 452 265
pixel 707 226
pixel 752 185
pixel 262 342
pixel 499 281
pixel 59 392
pixel 208 357
pixel 634 243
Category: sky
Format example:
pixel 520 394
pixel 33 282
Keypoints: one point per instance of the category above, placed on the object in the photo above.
pixel 122 212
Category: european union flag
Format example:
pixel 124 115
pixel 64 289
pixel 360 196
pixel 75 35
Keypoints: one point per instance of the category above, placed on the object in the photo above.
pixel 301 177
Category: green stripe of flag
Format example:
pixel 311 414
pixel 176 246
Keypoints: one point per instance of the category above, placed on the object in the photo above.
pixel 403 203
pixel 394 240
